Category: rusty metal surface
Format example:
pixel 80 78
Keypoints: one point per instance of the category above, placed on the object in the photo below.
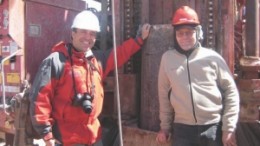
pixel 160 11
pixel 103 17
pixel 144 11
pixel 249 89
pixel 252 28
pixel 179 3
pixel 45 26
pixel 211 23
pixel 119 21
pixel 128 21
pixel 159 40
pixel 227 46
pixel 156 11
pixel 64 4
pixel 128 30
pixel 249 107
pixel 128 97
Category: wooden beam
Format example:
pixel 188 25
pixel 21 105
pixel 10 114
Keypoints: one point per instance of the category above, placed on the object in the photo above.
pixel 159 40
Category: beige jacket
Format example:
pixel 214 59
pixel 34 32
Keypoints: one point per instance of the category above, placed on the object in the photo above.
pixel 203 90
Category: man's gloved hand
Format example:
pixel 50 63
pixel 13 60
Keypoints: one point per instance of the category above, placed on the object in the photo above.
pixel 143 31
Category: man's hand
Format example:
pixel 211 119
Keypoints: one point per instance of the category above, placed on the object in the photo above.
pixel 163 136
pixel 50 142
pixel 145 31
pixel 228 138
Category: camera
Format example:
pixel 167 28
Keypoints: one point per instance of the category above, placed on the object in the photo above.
pixel 84 100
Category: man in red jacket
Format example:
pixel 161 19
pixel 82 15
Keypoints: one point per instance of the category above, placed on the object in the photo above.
pixel 67 93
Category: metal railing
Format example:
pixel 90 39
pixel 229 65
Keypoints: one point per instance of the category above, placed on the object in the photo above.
pixel 4 105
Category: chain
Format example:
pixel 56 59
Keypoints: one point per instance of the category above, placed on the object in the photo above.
pixel 128 26
pixel 210 32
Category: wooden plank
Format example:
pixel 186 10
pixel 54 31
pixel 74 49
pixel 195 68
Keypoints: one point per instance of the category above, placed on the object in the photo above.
pixel 159 40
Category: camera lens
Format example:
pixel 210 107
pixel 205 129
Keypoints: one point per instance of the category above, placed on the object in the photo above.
pixel 87 106
pixel 83 100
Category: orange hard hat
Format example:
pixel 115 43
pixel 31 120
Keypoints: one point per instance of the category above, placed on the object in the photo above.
pixel 185 15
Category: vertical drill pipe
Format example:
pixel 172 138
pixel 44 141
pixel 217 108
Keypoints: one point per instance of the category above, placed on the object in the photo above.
pixel 252 28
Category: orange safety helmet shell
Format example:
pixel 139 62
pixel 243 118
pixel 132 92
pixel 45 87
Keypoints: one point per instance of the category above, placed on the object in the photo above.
pixel 185 15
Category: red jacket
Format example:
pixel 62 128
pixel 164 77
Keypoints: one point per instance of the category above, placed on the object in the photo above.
pixel 52 112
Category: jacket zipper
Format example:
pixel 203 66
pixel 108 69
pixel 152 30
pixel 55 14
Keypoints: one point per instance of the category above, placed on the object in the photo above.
pixel 191 95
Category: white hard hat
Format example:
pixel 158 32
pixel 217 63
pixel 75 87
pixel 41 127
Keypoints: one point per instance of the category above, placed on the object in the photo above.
pixel 86 20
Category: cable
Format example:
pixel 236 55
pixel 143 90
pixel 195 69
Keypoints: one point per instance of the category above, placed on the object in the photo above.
pixel 116 75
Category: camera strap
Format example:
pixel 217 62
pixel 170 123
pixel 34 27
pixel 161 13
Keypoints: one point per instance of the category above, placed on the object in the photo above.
pixel 91 68
pixel 71 63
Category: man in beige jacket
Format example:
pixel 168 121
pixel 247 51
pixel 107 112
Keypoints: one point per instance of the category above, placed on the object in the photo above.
pixel 203 106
